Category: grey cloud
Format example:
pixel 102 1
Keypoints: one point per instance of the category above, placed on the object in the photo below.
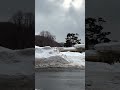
pixel 58 21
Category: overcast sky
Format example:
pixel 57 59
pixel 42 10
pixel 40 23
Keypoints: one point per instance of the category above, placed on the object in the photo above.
pixel 60 17
pixel 9 7
pixel 108 10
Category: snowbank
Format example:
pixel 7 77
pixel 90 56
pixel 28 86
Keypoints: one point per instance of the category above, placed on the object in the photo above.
pixel 71 58
pixel 112 46
pixel 16 62
pixel 75 48
pixel 69 49
pixel 79 46
pixel 16 67
pixel 91 55
pixel 45 52
pixel 74 58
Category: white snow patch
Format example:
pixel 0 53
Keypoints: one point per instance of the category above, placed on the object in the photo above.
pixel 69 48
pixel 112 46
pixel 74 58
pixel 45 52
pixel 16 62
pixel 79 46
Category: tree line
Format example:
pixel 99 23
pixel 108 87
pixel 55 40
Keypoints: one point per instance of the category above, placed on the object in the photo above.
pixel 94 34
pixel 45 38
pixel 18 31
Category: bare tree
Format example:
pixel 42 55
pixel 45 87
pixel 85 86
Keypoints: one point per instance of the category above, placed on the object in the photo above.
pixel 17 18
pixel 28 19
pixel 23 28
pixel 47 35
pixel 25 19
pixel 45 38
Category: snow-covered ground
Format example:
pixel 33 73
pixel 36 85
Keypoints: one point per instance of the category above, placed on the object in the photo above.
pixel 15 62
pixel 16 67
pixel 111 46
pixel 71 58
pixel 102 67
pixel 102 76
pixel 79 46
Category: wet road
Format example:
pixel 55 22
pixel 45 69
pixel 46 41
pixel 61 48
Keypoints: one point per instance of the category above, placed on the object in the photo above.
pixel 60 80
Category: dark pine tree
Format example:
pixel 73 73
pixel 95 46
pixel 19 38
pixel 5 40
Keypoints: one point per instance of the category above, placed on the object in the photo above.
pixel 94 32
pixel 71 40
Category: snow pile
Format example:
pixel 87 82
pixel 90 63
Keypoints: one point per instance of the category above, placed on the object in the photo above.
pixel 45 52
pixel 16 62
pixel 52 55
pixel 91 53
pixel 75 48
pixel 74 58
pixel 104 52
pixel 79 46
pixel 69 49
pixel 103 76
pixel 112 46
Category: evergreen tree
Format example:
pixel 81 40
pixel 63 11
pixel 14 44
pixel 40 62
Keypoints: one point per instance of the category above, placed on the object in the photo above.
pixel 94 33
pixel 72 39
